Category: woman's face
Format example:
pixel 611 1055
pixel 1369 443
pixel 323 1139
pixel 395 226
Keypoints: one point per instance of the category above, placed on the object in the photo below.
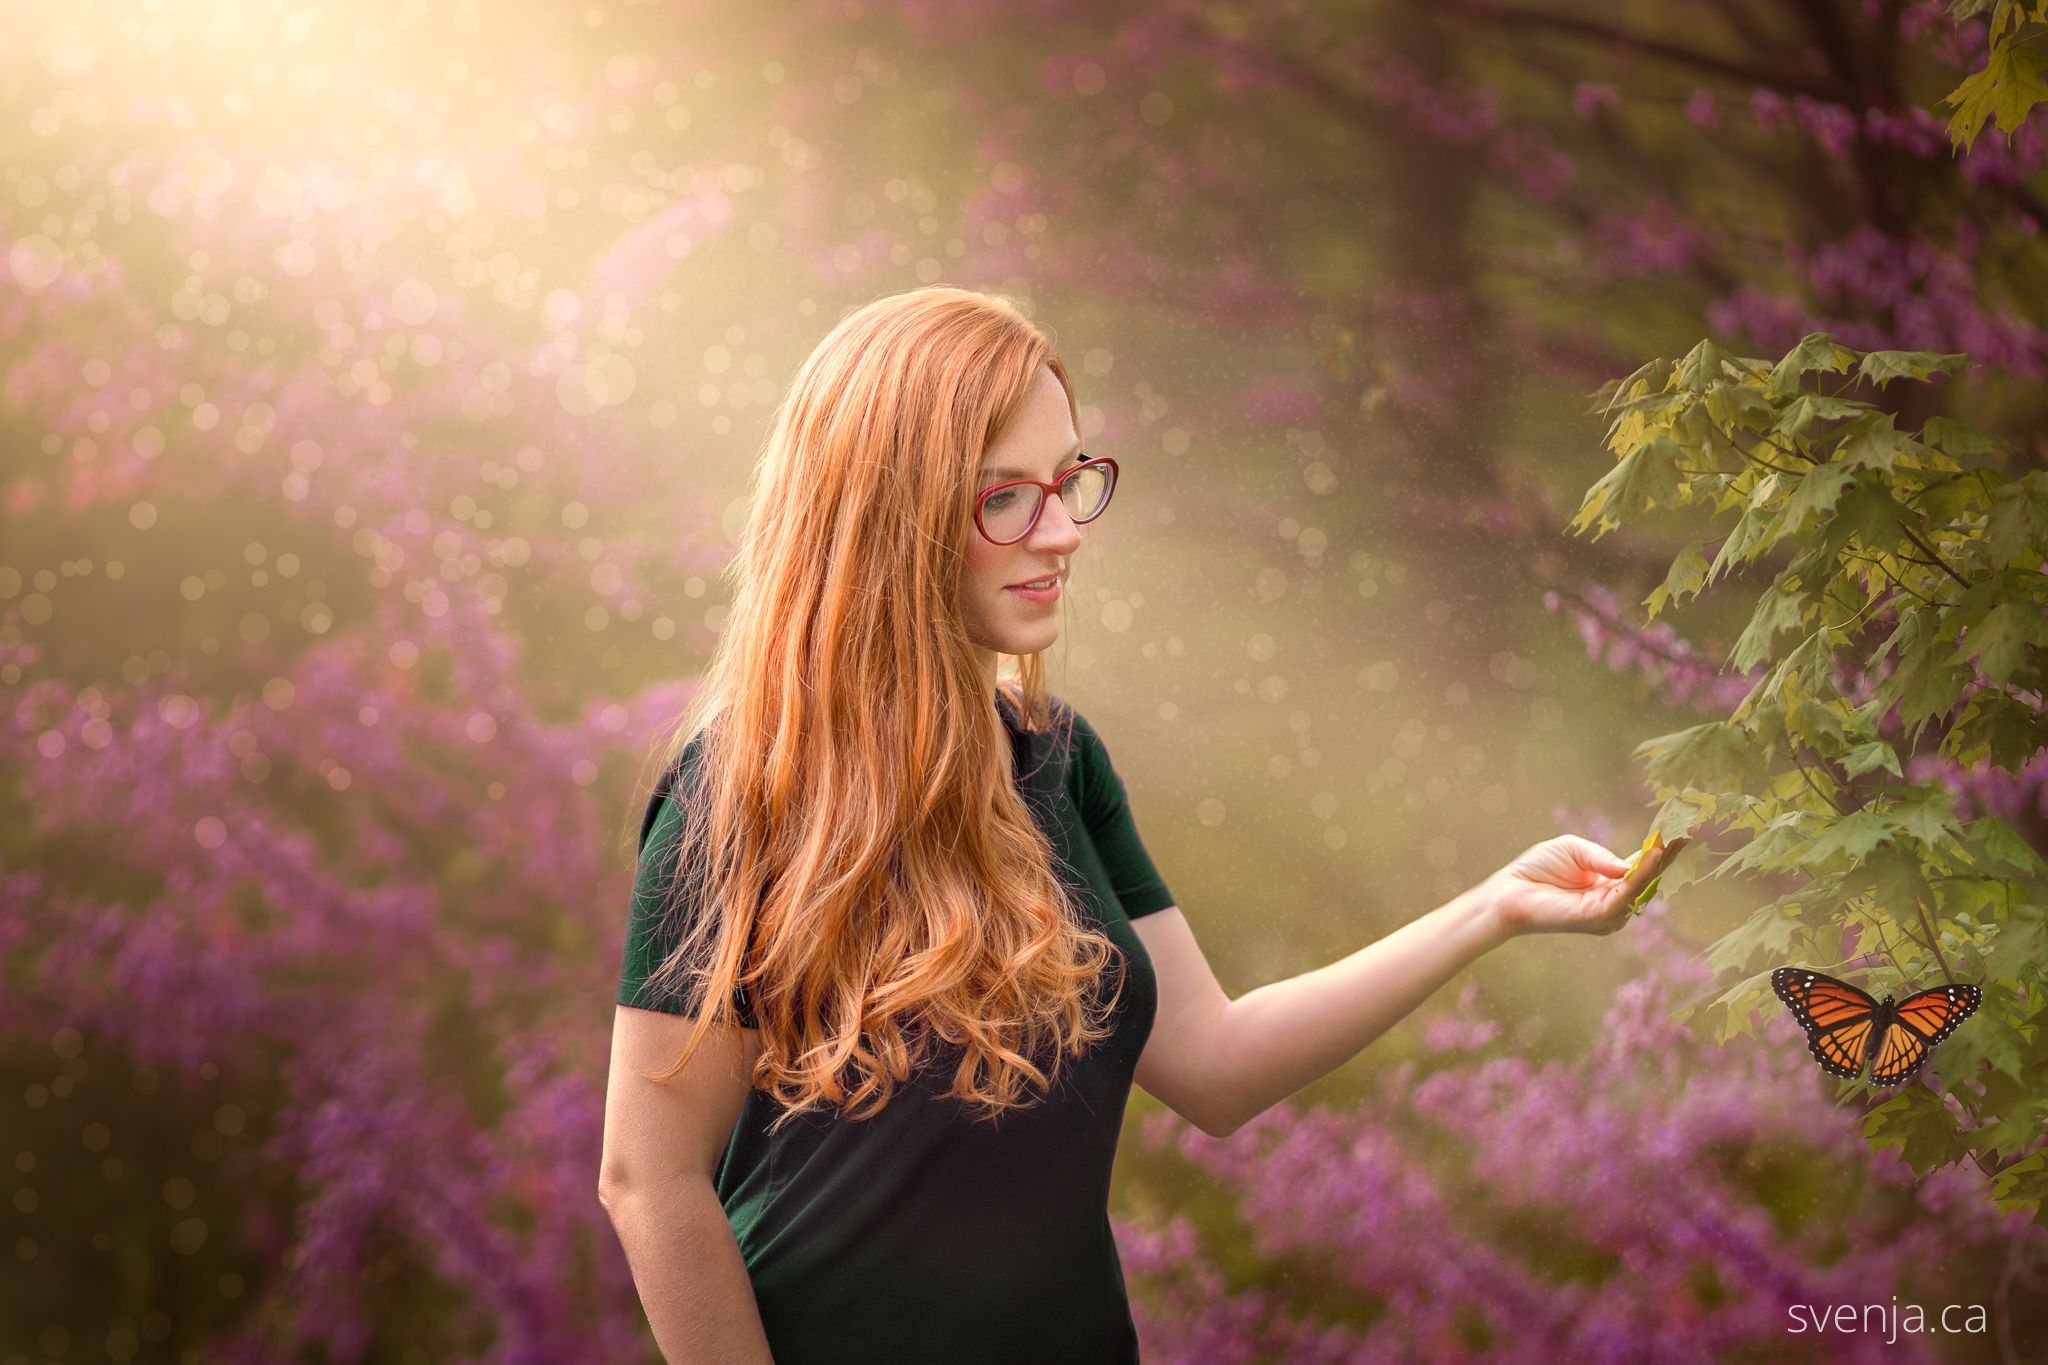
pixel 1039 443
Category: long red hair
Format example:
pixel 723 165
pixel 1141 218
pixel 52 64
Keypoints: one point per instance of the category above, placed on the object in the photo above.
pixel 863 861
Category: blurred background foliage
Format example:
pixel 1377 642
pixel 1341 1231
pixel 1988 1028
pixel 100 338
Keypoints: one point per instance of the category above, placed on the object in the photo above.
pixel 379 391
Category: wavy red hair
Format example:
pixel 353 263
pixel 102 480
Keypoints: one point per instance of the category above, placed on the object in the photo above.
pixel 862 861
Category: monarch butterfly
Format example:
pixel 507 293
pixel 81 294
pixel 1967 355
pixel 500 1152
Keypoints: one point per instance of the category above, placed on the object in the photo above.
pixel 1845 1027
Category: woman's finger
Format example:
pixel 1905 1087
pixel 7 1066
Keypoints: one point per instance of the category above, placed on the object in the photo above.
pixel 1598 858
pixel 1604 858
pixel 1651 866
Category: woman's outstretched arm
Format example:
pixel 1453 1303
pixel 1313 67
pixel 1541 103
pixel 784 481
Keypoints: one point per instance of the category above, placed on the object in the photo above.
pixel 1219 1062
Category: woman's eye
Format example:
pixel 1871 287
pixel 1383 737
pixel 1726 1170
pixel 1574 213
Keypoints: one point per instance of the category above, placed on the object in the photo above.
pixel 1000 500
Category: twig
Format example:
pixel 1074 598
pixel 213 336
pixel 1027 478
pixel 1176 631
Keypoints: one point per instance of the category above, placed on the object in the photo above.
pixel 1790 452
pixel 1934 557
pixel 1934 941
pixel 1793 753
pixel 1890 577
pixel 1890 955
pixel 1676 54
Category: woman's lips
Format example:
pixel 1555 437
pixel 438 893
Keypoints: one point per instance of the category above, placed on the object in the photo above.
pixel 1051 594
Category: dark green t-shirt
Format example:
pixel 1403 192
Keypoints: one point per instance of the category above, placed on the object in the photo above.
pixel 921 1236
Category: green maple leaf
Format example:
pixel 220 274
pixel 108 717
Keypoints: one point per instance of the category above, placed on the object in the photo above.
pixel 2023 1184
pixel 1960 438
pixel 1778 610
pixel 1716 753
pixel 1881 367
pixel 1869 512
pixel 2004 845
pixel 1815 495
pixel 1871 442
pixel 1987 1040
pixel 1815 351
pixel 1645 477
pixel 2001 639
pixel 2018 526
pixel 1809 408
pixel 2005 90
pixel 1917 1123
pixel 2000 727
pixel 1870 757
pixel 1688 572
pixel 1926 813
pixel 1769 933
pixel 1853 836
pixel 1705 365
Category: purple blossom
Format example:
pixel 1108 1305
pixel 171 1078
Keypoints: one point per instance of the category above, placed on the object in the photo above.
pixel 1768 107
pixel 1629 1159
pixel 1590 97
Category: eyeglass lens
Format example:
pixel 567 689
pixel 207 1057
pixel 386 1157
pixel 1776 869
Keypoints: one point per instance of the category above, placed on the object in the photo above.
pixel 1009 514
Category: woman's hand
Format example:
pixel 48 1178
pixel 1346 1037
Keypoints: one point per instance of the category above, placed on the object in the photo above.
pixel 1566 885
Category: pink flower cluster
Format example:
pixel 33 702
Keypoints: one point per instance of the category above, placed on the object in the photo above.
pixel 323 834
pixel 1675 671
pixel 1655 238
pixel 1483 1205
pixel 1882 292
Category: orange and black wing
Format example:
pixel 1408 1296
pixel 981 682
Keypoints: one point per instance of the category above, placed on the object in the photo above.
pixel 1920 1021
pixel 1837 1017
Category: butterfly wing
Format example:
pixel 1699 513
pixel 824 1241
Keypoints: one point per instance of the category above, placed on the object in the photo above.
pixel 1921 1021
pixel 1840 1050
pixel 1820 1002
pixel 1837 1017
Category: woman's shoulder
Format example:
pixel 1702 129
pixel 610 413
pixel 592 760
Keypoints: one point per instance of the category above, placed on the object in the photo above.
pixel 673 787
pixel 1062 718
pixel 680 766
pixel 1075 739
pixel 1067 718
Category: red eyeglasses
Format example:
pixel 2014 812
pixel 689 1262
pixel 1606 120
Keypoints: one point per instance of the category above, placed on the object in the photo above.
pixel 1006 512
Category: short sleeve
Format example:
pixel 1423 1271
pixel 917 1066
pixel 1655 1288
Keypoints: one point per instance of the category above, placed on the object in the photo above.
pixel 1106 811
pixel 662 911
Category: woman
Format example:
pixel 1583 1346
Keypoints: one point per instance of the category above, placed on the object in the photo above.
pixel 940 954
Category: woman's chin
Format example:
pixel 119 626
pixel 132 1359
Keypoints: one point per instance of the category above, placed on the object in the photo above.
pixel 1045 639
pixel 1008 635
pixel 1024 642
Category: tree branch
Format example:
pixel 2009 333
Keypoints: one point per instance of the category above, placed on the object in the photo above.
pixel 1571 26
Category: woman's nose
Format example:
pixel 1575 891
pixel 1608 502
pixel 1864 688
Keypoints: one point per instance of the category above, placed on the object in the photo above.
pixel 1056 525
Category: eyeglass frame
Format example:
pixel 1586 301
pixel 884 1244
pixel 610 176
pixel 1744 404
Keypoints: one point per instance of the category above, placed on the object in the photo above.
pixel 1045 488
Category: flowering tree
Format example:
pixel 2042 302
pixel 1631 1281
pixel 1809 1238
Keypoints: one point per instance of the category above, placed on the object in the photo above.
pixel 1451 212
pixel 295 789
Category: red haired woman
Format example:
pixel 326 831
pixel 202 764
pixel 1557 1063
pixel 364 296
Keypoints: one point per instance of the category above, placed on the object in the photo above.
pixel 935 952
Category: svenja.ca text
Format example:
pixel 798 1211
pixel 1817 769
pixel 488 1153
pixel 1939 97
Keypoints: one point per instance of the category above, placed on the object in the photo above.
pixel 1895 1318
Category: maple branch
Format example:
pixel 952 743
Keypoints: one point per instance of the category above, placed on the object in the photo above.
pixel 1934 558
pixel 1793 753
pixel 1934 942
